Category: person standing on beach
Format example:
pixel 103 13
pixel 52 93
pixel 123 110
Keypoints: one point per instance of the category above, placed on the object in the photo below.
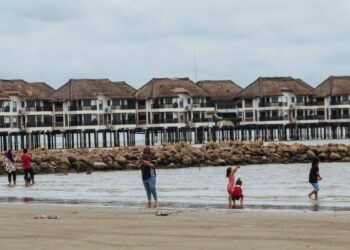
pixel 10 166
pixel 314 177
pixel 28 167
pixel 148 170
pixel 230 174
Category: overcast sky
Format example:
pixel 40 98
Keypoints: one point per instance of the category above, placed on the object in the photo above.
pixel 134 40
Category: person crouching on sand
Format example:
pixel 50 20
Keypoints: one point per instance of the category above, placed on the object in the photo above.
pixel 237 193
pixel 230 174
pixel 148 170
pixel 28 167
pixel 10 166
pixel 314 177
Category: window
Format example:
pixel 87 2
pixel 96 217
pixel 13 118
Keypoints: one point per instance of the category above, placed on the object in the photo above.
pixel 274 99
pixel 189 100
pixel 31 118
pixel 86 103
pixel 300 99
pixel 87 118
pixel 168 100
pixel 249 114
pixel 248 102
pixel 116 102
pixel 30 104
pixel 14 106
pixel 293 99
pixel 59 119
pixel 345 98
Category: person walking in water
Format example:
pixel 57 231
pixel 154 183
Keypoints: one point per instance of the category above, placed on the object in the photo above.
pixel 10 167
pixel 148 170
pixel 230 174
pixel 314 177
pixel 28 167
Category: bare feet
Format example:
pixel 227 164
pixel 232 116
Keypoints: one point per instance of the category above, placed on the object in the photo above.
pixel 149 203
pixel 155 204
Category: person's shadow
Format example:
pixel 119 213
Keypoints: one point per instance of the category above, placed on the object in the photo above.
pixel 315 207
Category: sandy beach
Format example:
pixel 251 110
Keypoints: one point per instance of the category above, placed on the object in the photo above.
pixel 115 228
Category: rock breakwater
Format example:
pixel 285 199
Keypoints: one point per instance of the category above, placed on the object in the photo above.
pixel 180 156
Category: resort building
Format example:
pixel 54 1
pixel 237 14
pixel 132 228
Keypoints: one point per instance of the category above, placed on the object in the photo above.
pixel 173 109
pixel 273 108
pixel 335 94
pixel 25 113
pixel 87 109
pixel 88 113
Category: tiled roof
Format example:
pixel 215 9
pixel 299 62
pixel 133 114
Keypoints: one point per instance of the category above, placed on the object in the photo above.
pixel 28 91
pixel 274 86
pixel 334 86
pixel 224 90
pixel 80 89
pixel 169 87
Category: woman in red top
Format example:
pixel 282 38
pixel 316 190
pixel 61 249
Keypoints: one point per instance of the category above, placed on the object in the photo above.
pixel 230 174
pixel 27 167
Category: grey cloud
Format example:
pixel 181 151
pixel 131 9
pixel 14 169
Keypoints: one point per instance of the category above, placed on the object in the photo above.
pixel 135 40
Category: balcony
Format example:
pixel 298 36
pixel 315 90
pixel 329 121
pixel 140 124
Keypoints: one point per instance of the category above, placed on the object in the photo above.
pixel 80 108
pixel 310 103
pixel 272 104
pixel 339 117
pixel 197 120
pixel 59 124
pixel 202 105
pixel 273 118
pixel 307 117
pixel 5 109
pixel 38 124
pixel 123 122
pixel 40 108
pixel 85 123
pixel 141 122
pixel 90 123
pixel 226 106
pixel 120 107
pixel 160 121
pixel 5 125
pixel 165 106
pixel 335 102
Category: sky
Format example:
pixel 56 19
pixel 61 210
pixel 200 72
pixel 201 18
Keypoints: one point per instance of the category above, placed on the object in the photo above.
pixel 136 40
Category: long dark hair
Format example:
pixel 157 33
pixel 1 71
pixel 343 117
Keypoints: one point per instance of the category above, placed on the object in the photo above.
pixel 315 162
pixel 9 155
pixel 228 172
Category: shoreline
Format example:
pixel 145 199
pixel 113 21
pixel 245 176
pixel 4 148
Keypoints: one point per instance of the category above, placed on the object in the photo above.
pixel 139 228
pixel 182 155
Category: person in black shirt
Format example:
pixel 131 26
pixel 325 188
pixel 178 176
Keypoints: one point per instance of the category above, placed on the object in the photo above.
pixel 314 177
pixel 148 170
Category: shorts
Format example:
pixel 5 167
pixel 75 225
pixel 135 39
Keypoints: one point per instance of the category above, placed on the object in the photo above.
pixel 234 197
pixel 28 174
pixel 316 186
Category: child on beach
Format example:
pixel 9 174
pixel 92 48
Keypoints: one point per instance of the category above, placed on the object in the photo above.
pixel 230 174
pixel 237 193
pixel 314 177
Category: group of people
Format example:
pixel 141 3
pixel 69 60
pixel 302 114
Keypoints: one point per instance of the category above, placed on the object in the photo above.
pixel 148 169
pixel 10 167
pixel 234 188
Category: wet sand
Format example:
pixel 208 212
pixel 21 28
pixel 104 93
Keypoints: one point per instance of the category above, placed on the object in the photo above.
pixel 115 228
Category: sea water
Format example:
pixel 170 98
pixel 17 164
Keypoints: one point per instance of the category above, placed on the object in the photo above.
pixel 266 186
